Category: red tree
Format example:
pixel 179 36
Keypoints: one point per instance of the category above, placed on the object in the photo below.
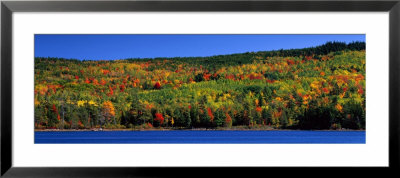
pixel 111 91
pixel 54 108
pixel 159 118
pixel 157 85
pixel 209 112
pixel 122 88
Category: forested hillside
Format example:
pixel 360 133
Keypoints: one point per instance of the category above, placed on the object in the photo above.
pixel 312 88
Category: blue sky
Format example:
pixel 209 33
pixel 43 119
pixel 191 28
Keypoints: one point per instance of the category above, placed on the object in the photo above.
pixel 109 47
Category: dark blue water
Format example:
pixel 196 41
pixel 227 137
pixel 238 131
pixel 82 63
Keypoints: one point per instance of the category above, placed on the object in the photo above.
pixel 200 137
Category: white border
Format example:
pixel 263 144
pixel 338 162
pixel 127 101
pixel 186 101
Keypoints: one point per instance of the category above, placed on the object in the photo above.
pixel 373 153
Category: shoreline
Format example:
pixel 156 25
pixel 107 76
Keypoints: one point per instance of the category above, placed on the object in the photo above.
pixel 198 129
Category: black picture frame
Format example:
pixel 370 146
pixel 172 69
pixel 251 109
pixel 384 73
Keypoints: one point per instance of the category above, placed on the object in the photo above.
pixel 8 7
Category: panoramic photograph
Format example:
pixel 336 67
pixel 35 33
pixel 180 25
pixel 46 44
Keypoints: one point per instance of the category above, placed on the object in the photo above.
pixel 199 89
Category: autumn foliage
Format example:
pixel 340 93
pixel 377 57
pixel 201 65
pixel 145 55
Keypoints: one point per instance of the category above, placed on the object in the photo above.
pixel 159 118
pixel 157 85
pixel 311 88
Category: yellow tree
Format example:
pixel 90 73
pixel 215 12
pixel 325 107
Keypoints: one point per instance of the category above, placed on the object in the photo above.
pixel 108 111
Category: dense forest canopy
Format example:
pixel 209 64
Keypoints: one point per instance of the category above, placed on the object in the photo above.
pixel 321 87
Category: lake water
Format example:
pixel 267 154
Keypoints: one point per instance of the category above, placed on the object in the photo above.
pixel 200 137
